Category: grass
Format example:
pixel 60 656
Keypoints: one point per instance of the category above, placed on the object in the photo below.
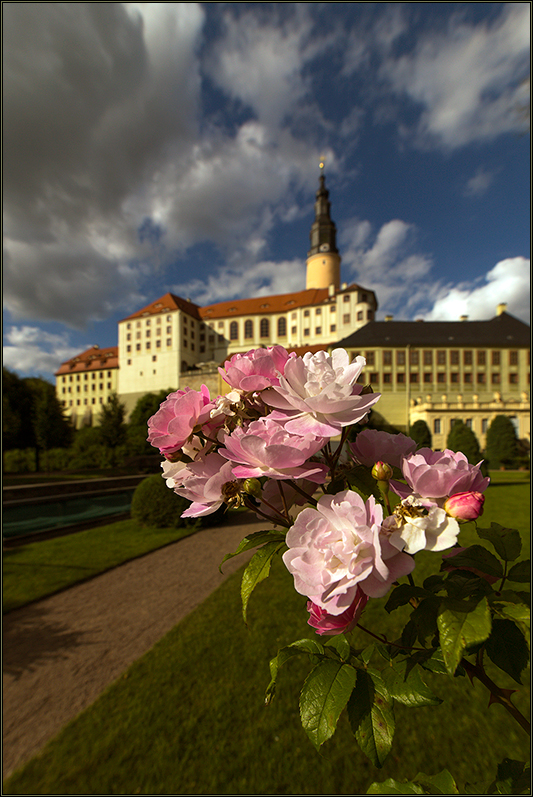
pixel 42 568
pixel 188 717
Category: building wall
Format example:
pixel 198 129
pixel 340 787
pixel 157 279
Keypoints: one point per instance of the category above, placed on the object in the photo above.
pixel 409 378
pixel 84 393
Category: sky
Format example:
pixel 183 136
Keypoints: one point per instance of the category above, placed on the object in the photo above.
pixel 154 147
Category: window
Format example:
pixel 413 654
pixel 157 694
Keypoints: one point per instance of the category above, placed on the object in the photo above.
pixel 282 327
pixel 414 357
pixel 128 326
pixel 428 358
pixel 318 330
pixel 333 308
pixel 454 357
pixel 467 357
pixel 364 297
pixel 387 379
pixel 185 344
pixel 495 379
pixel 495 358
pixel 513 358
pixel 428 378
pixel 101 386
pixel 109 385
pixel 374 378
pixel 454 377
pixel 513 379
pixel 360 315
pixel 169 330
pixel 264 328
pixel 370 315
pixel 441 378
pixel 169 341
pixel 293 330
pixel 128 336
pixel 158 344
pixel 148 345
pixel 370 357
pixel 306 333
pixel 158 331
pixel 413 379
pixel 202 349
pixel 128 348
pixel 346 318
pixel 148 322
pixel 154 358
pixel 467 378
pixel 138 347
pixel 480 379
pixel 306 313
pixel 441 357
pixel 468 423
pixel 346 297
pixel 221 325
pixel 387 358
pixel 318 311
pixel 248 329
pixel 400 379
pixel 436 426
pixel 400 358
pixel 484 425
pixel 481 357
pixel 294 316
pixel 333 328
pixel 233 331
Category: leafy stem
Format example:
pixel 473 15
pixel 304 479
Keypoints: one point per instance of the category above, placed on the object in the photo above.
pixel 497 694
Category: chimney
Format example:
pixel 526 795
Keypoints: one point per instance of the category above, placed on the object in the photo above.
pixel 389 317
pixel 344 286
pixel 501 308
pixel 331 289
pixel 463 318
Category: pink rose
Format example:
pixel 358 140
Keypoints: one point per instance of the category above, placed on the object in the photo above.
pixel 327 624
pixel 318 394
pixel 203 482
pixel 337 548
pixel 255 370
pixel 372 445
pixel 177 417
pixel 438 474
pixel 265 448
pixel 450 568
pixel 465 506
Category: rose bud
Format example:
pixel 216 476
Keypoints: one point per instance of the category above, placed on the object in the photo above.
pixel 382 472
pixel 465 506
pixel 252 487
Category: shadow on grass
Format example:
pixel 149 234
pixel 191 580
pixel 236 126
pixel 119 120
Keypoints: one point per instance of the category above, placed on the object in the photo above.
pixel 29 639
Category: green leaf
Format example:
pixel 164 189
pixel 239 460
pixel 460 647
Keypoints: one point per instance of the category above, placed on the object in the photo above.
pixel 521 571
pixel 257 570
pixel 462 584
pixel 407 687
pixel 514 597
pixel 302 646
pixel 252 541
pixel 443 783
pixel 361 480
pixel 478 558
pixel 506 542
pixel 461 625
pixel 371 716
pixel 512 778
pixel 517 612
pixel 323 697
pixel 341 645
pixel 402 594
pixel 507 648
pixel 424 617
pixel 391 786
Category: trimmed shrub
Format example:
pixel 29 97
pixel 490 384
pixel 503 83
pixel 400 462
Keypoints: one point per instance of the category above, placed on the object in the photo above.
pixel 502 443
pixel 461 438
pixel 419 432
pixel 154 504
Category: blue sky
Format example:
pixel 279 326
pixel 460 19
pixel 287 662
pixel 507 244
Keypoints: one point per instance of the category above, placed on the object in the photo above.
pixel 175 146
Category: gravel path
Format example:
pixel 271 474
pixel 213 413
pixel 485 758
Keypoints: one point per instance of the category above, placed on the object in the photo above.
pixel 61 652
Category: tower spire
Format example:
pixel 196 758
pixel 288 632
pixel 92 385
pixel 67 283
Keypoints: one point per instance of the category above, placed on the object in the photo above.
pixel 323 259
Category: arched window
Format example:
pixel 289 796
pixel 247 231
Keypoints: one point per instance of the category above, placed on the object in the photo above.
pixel 264 328
pixel 248 329
pixel 282 327
pixel 233 331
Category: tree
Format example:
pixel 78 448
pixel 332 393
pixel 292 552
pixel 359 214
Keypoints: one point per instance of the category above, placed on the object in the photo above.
pixel 420 433
pixel 146 406
pixel 51 429
pixel 112 426
pixel 501 448
pixel 461 438
pixel 17 400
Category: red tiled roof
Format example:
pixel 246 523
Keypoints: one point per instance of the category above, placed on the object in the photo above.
pixel 265 304
pixel 94 359
pixel 165 304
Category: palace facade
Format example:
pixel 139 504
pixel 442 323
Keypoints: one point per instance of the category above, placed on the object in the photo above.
pixel 434 371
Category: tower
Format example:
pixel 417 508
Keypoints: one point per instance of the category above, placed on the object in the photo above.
pixel 323 259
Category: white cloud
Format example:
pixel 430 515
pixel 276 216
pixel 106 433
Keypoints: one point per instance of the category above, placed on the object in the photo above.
pixel 479 183
pixel 468 80
pixel 508 282
pixel 31 350
pixel 265 278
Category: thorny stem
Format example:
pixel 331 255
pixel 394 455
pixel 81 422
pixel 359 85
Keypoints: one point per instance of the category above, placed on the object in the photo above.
pixel 498 695
pixel 302 492
pixel 250 505
pixel 384 640
pixel 338 452
pixel 280 488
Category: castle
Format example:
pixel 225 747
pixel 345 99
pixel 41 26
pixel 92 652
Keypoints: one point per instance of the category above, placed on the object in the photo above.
pixel 432 371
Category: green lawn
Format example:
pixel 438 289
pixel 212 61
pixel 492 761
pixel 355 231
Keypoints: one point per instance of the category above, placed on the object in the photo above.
pixel 37 569
pixel 188 717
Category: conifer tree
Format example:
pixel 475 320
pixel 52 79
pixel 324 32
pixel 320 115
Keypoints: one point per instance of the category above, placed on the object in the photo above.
pixel 502 443
pixel 461 438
